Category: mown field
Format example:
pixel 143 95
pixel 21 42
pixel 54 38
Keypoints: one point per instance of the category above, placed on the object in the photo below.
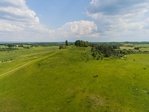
pixel 46 79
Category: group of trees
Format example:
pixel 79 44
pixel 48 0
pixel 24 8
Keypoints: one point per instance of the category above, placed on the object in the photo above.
pixel 7 47
pixel 14 46
pixel 109 50
pixel 101 51
pixel 63 46
pixel 78 43
pixel 81 43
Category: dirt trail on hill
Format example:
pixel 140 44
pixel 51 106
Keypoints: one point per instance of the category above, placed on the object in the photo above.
pixel 24 65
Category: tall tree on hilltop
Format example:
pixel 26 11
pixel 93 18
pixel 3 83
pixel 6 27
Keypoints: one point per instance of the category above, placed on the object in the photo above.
pixel 66 43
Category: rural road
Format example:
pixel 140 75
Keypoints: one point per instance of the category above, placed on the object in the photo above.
pixel 24 65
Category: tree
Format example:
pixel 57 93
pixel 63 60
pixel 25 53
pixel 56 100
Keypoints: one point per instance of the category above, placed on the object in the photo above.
pixel 96 54
pixel 11 45
pixel 81 43
pixel 66 43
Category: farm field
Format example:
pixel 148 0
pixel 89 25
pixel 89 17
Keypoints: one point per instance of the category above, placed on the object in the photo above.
pixel 46 79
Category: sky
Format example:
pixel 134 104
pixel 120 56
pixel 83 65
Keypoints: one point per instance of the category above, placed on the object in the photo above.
pixel 60 20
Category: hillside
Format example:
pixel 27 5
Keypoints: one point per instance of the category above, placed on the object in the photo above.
pixel 46 79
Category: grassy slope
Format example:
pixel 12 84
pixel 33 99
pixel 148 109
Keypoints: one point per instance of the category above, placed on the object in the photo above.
pixel 13 59
pixel 66 82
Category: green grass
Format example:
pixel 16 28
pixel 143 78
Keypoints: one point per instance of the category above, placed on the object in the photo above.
pixel 69 81
pixel 142 47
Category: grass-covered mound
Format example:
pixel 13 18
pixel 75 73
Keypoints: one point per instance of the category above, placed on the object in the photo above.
pixel 67 81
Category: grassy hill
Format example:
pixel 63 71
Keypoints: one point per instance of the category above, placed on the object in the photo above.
pixel 46 79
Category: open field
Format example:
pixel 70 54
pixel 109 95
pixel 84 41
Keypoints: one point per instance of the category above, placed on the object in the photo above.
pixel 141 46
pixel 46 79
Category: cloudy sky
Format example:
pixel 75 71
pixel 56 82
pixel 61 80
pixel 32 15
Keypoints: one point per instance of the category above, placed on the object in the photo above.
pixel 58 20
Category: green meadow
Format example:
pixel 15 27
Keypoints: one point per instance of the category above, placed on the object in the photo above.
pixel 46 79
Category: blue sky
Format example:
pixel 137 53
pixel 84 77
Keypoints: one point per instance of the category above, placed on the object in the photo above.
pixel 56 13
pixel 92 20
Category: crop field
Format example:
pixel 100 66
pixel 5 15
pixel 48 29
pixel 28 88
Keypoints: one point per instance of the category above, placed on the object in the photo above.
pixel 47 79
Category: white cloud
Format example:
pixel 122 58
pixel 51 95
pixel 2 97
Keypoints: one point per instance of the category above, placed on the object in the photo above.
pixel 120 20
pixel 111 20
pixel 19 23
pixel 15 15
pixel 79 28
pixel 82 29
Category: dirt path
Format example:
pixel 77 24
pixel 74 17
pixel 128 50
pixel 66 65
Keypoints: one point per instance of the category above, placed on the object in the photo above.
pixel 24 65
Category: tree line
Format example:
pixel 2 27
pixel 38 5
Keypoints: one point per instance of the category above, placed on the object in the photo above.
pixel 101 51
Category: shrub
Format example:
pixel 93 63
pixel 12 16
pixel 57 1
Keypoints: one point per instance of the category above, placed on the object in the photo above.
pixel 62 47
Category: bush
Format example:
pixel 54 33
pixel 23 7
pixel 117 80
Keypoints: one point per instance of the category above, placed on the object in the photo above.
pixel 136 48
pixel 62 47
